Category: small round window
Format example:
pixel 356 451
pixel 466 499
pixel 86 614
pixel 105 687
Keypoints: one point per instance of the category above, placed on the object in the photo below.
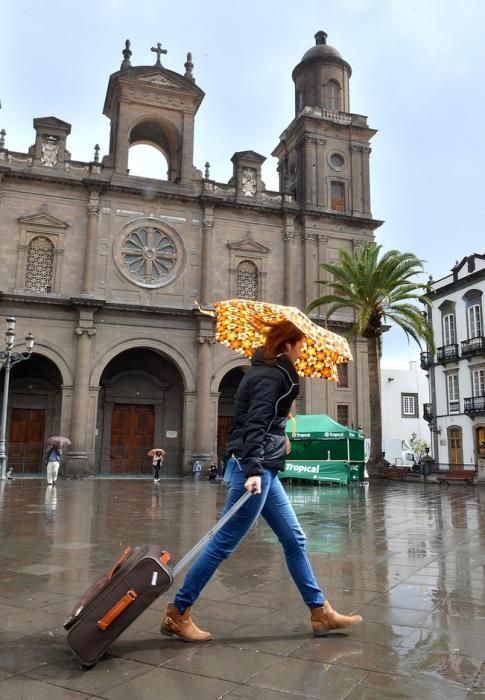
pixel 337 161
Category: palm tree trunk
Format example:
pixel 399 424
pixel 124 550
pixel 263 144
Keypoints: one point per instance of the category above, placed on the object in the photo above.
pixel 375 457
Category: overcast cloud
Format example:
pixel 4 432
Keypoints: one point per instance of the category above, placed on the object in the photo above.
pixel 417 66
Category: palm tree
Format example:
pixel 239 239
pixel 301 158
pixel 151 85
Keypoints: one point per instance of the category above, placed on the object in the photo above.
pixel 377 291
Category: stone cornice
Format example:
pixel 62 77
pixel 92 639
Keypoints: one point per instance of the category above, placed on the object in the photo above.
pixel 35 302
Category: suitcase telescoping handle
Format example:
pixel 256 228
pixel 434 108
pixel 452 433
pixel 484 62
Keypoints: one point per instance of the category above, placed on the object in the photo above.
pixel 202 543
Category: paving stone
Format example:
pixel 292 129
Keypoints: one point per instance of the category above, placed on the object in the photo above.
pixel 398 554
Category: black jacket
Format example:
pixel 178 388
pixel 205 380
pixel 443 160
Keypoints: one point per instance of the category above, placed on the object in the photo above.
pixel 262 403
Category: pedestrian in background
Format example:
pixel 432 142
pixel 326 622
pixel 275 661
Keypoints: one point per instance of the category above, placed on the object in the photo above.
pixel 258 446
pixel 213 472
pixel 52 460
pixel 196 469
pixel 157 463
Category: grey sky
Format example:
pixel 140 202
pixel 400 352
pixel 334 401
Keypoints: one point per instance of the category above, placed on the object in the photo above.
pixel 417 74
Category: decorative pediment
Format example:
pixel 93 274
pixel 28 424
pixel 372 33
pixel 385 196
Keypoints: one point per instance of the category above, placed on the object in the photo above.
pixel 42 219
pixel 248 245
pixel 158 79
pixel 53 122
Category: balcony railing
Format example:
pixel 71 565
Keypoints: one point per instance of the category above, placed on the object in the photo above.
pixel 447 353
pixel 426 360
pixel 428 412
pixel 475 404
pixel 473 346
pixel 453 407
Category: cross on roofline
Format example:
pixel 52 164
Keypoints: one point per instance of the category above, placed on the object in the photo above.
pixel 158 50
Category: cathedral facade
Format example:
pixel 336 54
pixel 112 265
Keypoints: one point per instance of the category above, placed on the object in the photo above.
pixel 104 267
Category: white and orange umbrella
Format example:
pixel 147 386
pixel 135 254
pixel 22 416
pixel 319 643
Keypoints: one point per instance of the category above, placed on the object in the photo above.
pixel 241 326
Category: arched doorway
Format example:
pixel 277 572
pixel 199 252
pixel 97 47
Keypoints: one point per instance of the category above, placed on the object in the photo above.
pixel 225 417
pixel 140 406
pixel 34 412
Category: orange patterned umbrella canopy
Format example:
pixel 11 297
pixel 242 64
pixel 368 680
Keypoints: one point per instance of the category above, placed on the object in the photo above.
pixel 241 324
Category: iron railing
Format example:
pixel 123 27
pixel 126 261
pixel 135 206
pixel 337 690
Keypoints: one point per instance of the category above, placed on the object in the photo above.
pixel 426 360
pixel 439 467
pixel 475 404
pixel 448 353
pixel 473 346
pixel 428 412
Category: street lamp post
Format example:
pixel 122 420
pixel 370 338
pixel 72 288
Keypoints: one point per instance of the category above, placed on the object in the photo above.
pixel 8 358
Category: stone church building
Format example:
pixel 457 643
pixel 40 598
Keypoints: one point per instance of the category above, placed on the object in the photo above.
pixel 104 267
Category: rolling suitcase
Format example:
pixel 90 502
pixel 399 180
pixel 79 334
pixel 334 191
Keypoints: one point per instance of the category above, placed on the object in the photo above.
pixel 115 600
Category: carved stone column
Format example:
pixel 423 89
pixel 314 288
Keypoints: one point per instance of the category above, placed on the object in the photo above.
pixel 89 272
pixel 203 440
pixel 322 258
pixel 288 238
pixel 186 165
pixel 366 151
pixel 310 168
pixel 77 458
pixel 207 257
pixel 357 193
pixel 321 184
pixel 310 267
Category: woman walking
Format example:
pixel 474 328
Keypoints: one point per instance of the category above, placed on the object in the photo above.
pixel 258 446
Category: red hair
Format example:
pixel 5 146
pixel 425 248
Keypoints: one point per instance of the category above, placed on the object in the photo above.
pixel 278 335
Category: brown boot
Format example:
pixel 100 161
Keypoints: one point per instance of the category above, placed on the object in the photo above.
pixel 325 619
pixel 174 624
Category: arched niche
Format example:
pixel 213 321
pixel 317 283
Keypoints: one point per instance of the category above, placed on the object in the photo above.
pixel 162 135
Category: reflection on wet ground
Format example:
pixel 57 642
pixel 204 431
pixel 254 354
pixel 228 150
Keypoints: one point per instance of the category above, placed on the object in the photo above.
pixel 408 557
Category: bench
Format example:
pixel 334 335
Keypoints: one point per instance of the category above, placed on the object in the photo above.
pixel 392 472
pixel 466 475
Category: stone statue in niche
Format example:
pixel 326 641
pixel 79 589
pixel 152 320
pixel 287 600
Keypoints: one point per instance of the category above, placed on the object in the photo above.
pixel 50 151
pixel 248 182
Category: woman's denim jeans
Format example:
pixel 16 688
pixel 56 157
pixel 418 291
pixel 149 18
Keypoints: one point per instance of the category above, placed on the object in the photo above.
pixel 274 506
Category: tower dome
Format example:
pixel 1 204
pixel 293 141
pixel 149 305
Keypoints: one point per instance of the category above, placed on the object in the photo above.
pixel 322 78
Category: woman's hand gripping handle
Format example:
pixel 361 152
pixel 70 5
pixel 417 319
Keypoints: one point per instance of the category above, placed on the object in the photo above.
pixel 253 484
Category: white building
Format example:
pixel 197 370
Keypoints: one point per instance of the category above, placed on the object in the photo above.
pixel 456 412
pixel 403 393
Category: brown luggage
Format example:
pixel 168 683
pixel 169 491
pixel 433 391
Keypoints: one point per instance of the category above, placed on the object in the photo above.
pixel 115 600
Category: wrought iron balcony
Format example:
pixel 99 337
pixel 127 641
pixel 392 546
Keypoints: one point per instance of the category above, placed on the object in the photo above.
pixel 428 412
pixel 426 360
pixel 475 404
pixel 447 353
pixel 473 346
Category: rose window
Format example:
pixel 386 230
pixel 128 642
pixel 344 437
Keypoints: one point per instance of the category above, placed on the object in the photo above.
pixel 149 255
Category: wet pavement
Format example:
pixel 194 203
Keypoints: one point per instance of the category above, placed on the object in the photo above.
pixel 408 557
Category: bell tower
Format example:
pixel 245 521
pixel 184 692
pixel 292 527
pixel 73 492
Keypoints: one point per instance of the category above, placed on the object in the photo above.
pixel 323 155
pixel 155 106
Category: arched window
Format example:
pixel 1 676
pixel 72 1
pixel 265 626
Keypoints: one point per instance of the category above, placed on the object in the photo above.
pixel 247 280
pixel 40 265
pixel 331 96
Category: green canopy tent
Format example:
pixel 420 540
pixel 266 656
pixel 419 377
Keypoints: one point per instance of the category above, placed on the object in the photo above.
pixel 324 450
